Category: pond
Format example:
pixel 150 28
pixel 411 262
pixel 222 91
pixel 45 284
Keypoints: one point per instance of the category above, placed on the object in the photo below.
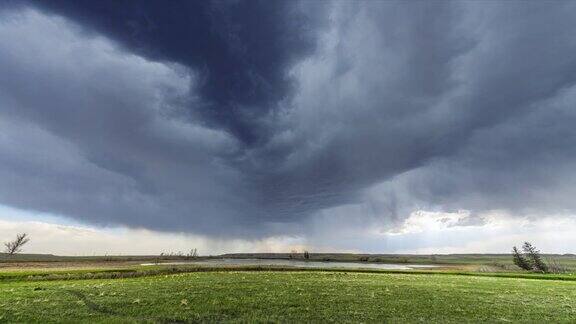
pixel 298 264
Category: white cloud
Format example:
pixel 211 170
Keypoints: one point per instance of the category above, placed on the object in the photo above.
pixel 55 235
pixel 492 232
pixel 423 232
pixel 426 221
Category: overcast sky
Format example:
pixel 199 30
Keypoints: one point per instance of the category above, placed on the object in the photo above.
pixel 368 126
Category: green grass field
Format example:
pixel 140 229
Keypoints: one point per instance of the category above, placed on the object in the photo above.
pixel 287 296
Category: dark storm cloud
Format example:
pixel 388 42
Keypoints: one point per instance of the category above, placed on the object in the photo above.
pixel 241 49
pixel 498 66
pixel 251 118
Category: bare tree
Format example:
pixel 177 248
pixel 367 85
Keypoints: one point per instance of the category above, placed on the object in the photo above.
pixel 15 246
pixel 193 253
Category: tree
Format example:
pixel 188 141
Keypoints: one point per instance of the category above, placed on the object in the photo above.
pixel 15 246
pixel 534 256
pixel 520 260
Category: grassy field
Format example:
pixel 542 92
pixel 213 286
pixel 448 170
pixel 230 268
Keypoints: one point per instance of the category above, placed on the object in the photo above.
pixel 288 296
pixel 473 288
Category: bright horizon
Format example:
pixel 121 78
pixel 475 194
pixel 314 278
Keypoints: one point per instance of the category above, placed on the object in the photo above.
pixel 420 234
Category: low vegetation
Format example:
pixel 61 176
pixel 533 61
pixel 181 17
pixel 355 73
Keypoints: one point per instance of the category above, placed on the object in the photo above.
pixel 42 288
pixel 289 296
pixel 531 260
pixel 492 262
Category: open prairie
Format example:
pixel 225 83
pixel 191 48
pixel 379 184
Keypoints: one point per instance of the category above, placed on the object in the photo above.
pixel 124 291
pixel 281 296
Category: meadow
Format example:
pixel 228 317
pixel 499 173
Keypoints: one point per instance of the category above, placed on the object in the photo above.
pixel 163 294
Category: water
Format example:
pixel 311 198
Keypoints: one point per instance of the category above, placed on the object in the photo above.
pixel 299 264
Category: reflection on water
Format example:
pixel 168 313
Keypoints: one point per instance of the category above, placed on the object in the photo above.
pixel 299 264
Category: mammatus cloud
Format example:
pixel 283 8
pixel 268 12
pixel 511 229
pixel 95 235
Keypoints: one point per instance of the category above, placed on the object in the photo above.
pixel 363 114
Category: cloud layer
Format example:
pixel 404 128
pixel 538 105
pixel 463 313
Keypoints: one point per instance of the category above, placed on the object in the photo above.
pixel 255 119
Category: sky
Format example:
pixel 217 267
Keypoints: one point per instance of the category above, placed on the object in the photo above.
pixel 140 127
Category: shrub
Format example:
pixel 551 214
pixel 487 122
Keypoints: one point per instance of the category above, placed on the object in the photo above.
pixel 534 256
pixel 520 260
pixel 554 266
pixel 530 259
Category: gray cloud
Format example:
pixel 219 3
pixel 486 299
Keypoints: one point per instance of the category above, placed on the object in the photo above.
pixel 401 106
pixel 95 133
pixel 445 100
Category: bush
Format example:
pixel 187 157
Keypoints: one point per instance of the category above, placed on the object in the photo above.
pixel 530 259
pixel 554 266
pixel 534 255
pixel 520 260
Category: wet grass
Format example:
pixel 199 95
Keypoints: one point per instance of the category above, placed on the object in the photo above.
pixel 287 296
pixel 143 271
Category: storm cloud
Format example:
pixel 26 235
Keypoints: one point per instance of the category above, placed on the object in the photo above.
pixel 253 119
